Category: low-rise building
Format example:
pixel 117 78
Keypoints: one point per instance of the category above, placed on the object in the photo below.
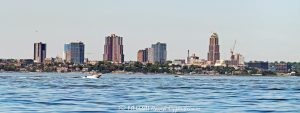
pixel 258 65
pixel 220 63
pixel 281 67
pixel 93 62
pixel 194 60
pixel 49 60
pixel 178 62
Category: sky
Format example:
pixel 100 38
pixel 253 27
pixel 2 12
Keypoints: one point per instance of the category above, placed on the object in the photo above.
pixel 265 30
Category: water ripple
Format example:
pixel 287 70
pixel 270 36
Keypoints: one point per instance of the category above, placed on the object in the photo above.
pixel 52 92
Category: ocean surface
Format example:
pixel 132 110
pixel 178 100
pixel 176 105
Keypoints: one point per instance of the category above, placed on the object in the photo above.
pixel 52 92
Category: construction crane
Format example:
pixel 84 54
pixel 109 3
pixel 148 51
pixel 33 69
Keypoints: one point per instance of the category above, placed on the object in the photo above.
pixel 232 50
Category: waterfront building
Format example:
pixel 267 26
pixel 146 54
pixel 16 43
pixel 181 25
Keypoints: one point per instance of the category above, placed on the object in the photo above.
pixel 113 49
pixel 237 60
pixel 143 56
pixel 8 61
pixel 74 52
pixel 195 60
pixel 53 60
pixel 214 49
pixel 281 67
pixel 93 62
pixel 159 52
pixel 258 65
pixel 39 52
pixel 24 62
pixel 179 62
pixel 140 56
pixel 49 60
pixel 150 57
pixel 220 63
pixel 272 67
pixel 240 60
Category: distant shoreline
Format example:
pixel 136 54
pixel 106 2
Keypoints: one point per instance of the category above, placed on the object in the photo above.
pixel 130 73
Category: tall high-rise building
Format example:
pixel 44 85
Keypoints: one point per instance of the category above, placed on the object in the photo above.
pixel 214 49
pixel 159 52
pixel 142 56
pixel 39 52
pixel 74 52
pixel 150 56
pixel 113 49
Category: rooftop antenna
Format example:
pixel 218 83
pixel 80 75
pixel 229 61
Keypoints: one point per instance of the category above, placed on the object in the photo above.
pixel 188 58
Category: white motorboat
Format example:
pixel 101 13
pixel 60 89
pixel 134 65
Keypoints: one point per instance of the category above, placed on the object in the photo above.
pixel 94 76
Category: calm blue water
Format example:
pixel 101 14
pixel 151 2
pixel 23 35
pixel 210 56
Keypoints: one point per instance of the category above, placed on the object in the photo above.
pixel 48 92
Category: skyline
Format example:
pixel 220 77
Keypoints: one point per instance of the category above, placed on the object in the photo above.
pixel 265 30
